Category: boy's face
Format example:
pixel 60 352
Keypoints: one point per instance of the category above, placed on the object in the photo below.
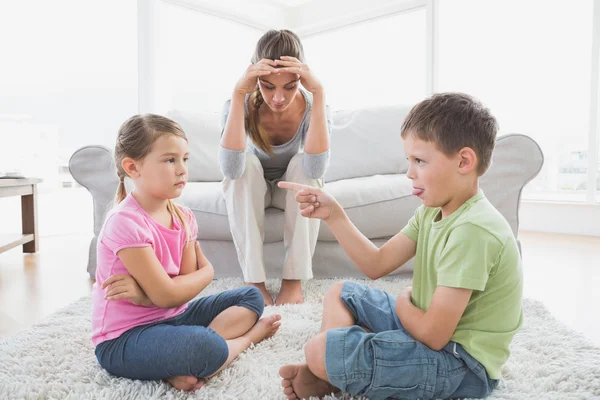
pixel 163 172
pixel 434 175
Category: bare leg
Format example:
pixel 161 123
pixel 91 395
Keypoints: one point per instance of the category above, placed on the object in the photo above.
pixel 263 329
pixel 290 293
pixel 233 322
pixel 305 380
pixel 238 326
pixel 335 312
pixel 263 289
pixel 310 379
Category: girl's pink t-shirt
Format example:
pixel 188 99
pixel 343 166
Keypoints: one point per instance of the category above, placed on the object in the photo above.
pixel 128 225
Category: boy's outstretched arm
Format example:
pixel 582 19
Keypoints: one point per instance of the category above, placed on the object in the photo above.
pixel 374 262
pixel 433 327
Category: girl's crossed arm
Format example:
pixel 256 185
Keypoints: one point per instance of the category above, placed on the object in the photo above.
pixel 161 289
pixel 190 261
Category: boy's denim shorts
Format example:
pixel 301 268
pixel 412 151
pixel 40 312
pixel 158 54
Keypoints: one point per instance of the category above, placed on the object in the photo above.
pixel 389 363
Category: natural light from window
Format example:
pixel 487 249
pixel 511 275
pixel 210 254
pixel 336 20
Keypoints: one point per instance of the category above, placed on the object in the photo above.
pixel 533 72
pixel 373 63
pixel 68 79
pixel 199 59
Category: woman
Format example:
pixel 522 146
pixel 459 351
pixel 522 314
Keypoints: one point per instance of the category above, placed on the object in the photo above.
pixel 274 130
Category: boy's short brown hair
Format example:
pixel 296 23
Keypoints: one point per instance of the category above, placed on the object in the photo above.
pixel 454 121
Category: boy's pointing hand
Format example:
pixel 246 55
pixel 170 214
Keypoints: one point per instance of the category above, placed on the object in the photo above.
pixel 313 202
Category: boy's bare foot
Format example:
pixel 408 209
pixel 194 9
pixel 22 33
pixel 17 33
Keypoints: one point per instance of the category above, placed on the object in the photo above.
pixel 263 289
pixel 290 293
pixel 264 328
pixel 186 383
pixel 299 383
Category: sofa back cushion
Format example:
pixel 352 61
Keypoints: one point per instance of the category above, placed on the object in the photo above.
pixel 204 134
pixel 367 142
pixel 364 142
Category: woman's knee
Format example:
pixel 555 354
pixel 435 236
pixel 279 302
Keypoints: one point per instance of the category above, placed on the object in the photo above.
pixel 297 173
pixel 295 170
pixel 253 165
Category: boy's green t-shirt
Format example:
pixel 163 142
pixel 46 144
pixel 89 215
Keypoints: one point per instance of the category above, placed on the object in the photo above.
pixel 472 248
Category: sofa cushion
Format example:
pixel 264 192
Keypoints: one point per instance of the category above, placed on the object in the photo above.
pixel 364 142
pixel 367 142
pixel 204 134
pixel 386 199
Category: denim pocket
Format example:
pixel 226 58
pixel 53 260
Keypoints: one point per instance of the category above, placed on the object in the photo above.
pixel 402 370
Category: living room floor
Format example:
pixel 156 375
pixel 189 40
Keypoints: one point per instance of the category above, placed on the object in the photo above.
pixel 560 270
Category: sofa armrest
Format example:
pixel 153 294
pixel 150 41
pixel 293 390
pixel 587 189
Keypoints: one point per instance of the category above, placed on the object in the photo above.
pixel 516 160
pixel 93 167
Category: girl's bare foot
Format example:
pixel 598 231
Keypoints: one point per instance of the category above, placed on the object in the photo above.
pixel 264 328
pixel 186 383
pixel 299 383
pixel 263 289
pixel 290 293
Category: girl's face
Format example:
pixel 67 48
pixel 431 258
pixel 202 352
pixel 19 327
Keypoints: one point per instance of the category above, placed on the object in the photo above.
pixel 163 173
pixel 279 90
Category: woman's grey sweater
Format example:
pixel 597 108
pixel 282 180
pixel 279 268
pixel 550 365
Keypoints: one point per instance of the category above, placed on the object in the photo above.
pixel 232 162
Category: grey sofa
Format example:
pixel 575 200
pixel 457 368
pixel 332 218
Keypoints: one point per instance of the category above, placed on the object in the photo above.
pixel 366 174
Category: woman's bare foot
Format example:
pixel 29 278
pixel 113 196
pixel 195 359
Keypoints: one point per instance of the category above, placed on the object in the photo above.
pixel 299 383
pixel 264 328
pixel 186 383
pixel 263 289
pixel 290 293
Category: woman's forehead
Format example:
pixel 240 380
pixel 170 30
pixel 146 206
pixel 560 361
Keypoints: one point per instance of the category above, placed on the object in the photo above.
pixel 281 79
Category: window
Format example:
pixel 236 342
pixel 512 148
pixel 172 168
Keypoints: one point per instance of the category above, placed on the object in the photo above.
pixel 530 62
pixel 68 79
pixel 199 58
pixel 378 62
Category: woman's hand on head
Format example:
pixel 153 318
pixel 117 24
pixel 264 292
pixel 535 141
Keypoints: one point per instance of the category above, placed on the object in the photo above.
pixel 308 80
pixel 248 81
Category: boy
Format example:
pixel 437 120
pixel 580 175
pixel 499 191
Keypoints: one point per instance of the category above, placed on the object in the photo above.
pixel 449 335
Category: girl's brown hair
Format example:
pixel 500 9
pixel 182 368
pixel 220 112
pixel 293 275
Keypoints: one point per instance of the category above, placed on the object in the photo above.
pixel 272 45
pixel 135 139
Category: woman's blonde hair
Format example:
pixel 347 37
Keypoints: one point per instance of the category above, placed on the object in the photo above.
pixel 135 139
pixel 271 45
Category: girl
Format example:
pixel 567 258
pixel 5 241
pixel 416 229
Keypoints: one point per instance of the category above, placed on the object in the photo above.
pixel 150 266
pixel 267 123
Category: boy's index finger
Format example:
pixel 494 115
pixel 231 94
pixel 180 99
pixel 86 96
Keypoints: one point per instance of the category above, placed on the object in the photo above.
pixel 292 186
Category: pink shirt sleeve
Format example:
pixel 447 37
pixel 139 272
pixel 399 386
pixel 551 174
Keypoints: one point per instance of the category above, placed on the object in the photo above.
pixel 125 229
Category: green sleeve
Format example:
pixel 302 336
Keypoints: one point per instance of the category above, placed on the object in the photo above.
pixel 468 257
pixel 412 228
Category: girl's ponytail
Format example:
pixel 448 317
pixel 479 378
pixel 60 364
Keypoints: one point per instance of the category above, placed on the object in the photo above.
pixel 121 190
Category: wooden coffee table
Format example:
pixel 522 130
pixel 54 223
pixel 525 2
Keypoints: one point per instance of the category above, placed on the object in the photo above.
pixel 27 189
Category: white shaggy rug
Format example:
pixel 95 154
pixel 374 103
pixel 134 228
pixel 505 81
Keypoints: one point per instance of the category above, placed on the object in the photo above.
pixel 55 359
